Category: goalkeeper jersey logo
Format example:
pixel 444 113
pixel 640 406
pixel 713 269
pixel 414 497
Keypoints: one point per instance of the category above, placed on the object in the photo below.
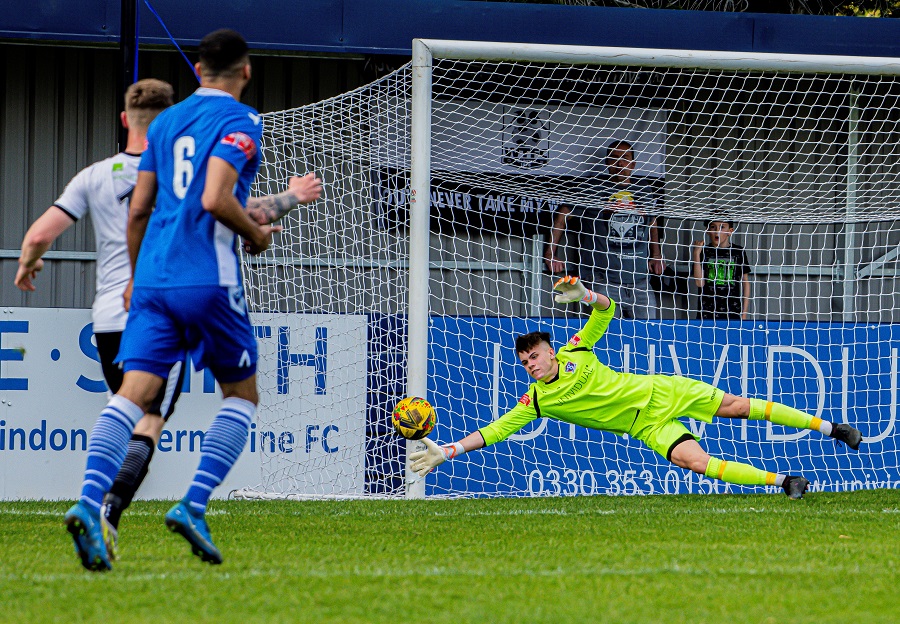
pixel 575 340
pixel 525 400
pixel 570 367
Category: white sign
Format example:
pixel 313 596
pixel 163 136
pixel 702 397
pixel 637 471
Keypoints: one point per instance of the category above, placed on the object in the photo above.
pixel 309 434
pixel 487 137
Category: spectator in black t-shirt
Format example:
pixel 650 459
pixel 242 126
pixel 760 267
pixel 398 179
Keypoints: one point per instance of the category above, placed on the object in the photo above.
pixel 721 272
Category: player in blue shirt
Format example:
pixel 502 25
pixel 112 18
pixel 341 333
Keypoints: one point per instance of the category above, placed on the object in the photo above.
pixel 201 158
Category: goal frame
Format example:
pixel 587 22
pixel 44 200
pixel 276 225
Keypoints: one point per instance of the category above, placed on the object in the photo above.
pixel 424 51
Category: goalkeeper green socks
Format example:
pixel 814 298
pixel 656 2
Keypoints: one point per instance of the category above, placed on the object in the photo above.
pixel 788 416
pixel 779 414
pixel 741 474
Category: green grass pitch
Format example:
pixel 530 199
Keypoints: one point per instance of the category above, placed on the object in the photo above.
pixel 697 559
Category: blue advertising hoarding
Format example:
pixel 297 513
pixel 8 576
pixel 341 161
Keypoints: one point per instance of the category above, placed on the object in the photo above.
pixel 839 372
pixel 329 382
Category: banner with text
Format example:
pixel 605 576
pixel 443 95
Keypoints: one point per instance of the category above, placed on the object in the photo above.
pixel 497 165
pixel 310 422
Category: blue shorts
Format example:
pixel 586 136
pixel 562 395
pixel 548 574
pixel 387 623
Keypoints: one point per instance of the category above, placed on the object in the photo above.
pixel 209 322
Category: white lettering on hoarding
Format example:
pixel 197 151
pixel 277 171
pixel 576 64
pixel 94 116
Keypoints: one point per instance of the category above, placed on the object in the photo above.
pixel 51 391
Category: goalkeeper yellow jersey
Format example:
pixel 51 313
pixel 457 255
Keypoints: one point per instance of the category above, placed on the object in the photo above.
pixel 584 391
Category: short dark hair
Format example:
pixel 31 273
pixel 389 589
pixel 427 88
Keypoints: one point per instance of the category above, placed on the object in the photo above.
pixel 727 221
pixel 222 52
pixel 618 144
pixel 527 342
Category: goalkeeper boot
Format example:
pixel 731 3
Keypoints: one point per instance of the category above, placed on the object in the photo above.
pixel 794 487
pixel 847 434
pixel 84 525
pixel 107 528
pixel 193 528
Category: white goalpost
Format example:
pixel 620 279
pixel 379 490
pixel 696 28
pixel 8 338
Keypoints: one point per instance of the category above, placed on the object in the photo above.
pixel 453 183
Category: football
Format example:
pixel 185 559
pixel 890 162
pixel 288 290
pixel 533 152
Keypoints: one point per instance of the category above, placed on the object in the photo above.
pixel 413 418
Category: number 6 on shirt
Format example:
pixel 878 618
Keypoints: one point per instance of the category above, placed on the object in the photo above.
pixel 184 169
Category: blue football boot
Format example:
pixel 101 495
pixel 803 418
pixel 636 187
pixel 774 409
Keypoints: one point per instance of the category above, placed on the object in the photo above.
pixel 192 527
pixel 84 525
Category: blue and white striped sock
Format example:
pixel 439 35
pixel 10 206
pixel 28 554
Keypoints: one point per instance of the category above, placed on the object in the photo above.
pixel 107 447
pixel 222 445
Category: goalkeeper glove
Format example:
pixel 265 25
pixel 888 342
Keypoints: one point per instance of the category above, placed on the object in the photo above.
pixel 423 462
pixel 571 289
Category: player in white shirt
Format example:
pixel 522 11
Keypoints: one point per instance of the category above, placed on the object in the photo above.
pixel 103 190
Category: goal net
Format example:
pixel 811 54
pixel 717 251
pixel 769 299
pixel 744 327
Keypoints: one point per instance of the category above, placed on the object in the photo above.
pixel 457 185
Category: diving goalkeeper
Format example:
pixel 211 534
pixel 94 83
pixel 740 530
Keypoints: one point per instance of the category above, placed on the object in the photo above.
pixel 573 386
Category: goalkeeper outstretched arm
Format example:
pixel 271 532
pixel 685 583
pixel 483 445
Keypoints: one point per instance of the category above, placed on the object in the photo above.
pixel 423 462
pixel 570 290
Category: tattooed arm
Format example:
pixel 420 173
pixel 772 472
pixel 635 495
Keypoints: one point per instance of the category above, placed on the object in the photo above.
pixel 271 208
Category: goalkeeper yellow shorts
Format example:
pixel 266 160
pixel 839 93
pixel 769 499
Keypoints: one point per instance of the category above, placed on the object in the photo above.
pixel 672 398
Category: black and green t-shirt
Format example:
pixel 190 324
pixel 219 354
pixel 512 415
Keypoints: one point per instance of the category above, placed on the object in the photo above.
pixel 724 269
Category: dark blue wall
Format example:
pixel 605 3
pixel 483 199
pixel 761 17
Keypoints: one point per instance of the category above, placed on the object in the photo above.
pixel 388 26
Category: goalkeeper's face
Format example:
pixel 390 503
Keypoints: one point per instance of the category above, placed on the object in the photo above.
pixel 540 362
